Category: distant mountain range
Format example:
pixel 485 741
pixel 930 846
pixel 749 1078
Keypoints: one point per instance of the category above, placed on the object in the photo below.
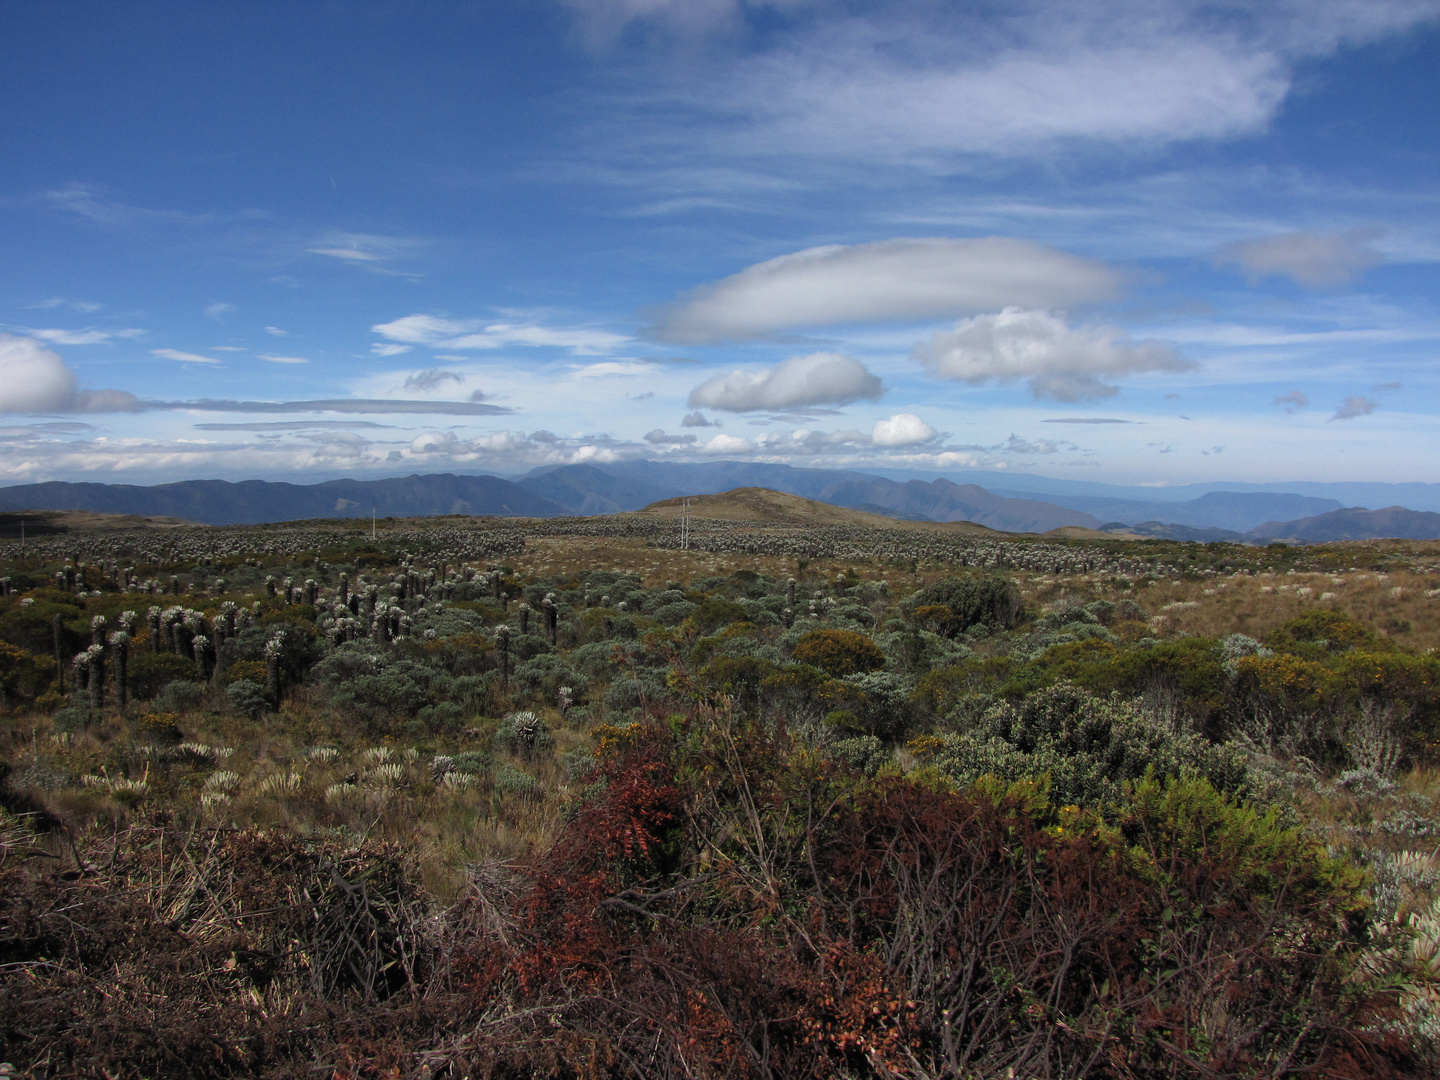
pixel 1239 516
pixel 252 502
pixel 1237 511
pixel 1355 523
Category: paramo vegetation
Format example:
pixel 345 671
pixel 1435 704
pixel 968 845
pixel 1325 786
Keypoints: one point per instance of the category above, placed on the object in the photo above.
pixel 587 800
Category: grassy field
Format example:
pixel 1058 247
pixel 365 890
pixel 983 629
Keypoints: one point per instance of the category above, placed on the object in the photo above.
pixel 581 798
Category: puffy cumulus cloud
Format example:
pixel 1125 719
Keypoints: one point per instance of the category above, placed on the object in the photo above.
pixel 1296 399
pixel 902 429
pixel 888 281
pixel 1060 362
pixel 822 378
pixel 37 380
pixel 1355 406
pixel 440 332
pixel 431 379
pixel 509 449
pixel 1317 260
pixel 697 419
pixel 728 444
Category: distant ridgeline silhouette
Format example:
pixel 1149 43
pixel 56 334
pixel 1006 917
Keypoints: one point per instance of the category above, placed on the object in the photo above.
pixel 553 491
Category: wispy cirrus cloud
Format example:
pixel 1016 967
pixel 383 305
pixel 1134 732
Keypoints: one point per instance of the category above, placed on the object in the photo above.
pixel 95 205
pixel 183 357
pixel 369 251
pixel 371 406
pixel 917 83
pixel 88 336
pixel 438 331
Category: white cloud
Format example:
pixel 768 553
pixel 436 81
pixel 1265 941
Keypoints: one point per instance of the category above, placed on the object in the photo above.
pixel 697 419
pixel 284 359
pixel 389 350
pixel 727 444
pixel 421 329
pixel 902 429
pixel 887 281
pixel 82 337
pixel 439 442
pixel 348 254
pixel 33 379
pixel 614 368
pixel 1314 259
pixel 183 357
pixel 1061 363
pixel 439 332
pixel 275 331
pixel 1355 406
pixel 218 311
pixel 821 378
pixel 920 82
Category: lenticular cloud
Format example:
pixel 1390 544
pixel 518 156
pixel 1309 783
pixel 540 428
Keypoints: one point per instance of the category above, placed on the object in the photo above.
pixel 890 281
pixel 817 379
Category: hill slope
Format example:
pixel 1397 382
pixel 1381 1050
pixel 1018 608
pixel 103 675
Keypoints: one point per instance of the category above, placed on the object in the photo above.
pixel 934 500
pixel 1355 523
pixel 765 506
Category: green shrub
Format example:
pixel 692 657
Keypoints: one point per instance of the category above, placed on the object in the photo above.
pixel 881 703
pixel 182 696
pixel 994 603
pixel 864 752
pixel 839 652
pixel 247 698
pixel 511 782
pixel 1089 746
pixel 150 672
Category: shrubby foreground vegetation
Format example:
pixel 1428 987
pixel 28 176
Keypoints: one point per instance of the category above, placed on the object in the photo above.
pixel 562 800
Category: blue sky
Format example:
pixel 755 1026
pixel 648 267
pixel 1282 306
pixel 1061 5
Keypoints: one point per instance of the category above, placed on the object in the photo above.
pixel 1141 242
